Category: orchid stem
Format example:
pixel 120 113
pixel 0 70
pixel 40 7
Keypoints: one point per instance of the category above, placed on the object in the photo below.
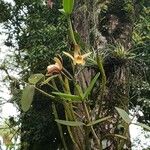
pixel 92 129
pixel 71 31
pixel 59 127
pixel 50 96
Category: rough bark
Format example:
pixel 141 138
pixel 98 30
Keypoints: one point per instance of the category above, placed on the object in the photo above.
pixel 98 28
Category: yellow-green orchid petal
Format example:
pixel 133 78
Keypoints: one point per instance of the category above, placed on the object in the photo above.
pixel 83 62
pixel 69 55
pixel 77 58
pixel 74 62
pixel 58 62
pixel 76 50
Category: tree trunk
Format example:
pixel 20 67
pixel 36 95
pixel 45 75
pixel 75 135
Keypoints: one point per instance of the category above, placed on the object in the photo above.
pixel 101 23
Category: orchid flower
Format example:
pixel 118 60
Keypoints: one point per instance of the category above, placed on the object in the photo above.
pixel 54 68
pixel 77 57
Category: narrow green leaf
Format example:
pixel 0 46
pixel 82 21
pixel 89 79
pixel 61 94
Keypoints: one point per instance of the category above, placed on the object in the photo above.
pixel 35 78
pixel 98 121
pixel 66 85
pixel 49 79
pixel 79 90
pixel 89 89
pixel 143 125
pixel 124 115
pixel 69 123
pixel 68 6
pixel 67 97
pixel 27 97
pixel 62 11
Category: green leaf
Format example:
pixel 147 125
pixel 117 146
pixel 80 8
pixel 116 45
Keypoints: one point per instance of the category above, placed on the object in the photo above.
pixel 79 90
pixel 89 89
pixel 62 11
pixel 69 123
pixel 27 97
pixel 35 78
pixel 124 115
pixel 120 136
pixel 68 6
pixel 48 79
pixel 67 97
pixel 143 125
pixel 98 121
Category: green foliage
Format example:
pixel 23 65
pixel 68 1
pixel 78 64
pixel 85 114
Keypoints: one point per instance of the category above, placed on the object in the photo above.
pixel 27 97
pixel 90 87
pixel 75 123
pixel 10 131
pixel 5 11
pixel 36 78
pixel 68 97
pixel 98 121
pixel 49 79
pixel 120 52
pixel 124 115
pixel 37 28
pixel 69 123
pixel 126 118
pixel 141 87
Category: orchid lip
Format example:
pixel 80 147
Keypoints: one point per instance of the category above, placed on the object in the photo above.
pixel 77 58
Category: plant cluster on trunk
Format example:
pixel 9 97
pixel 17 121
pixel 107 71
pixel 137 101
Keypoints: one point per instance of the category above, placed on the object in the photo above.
pixel 104 31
